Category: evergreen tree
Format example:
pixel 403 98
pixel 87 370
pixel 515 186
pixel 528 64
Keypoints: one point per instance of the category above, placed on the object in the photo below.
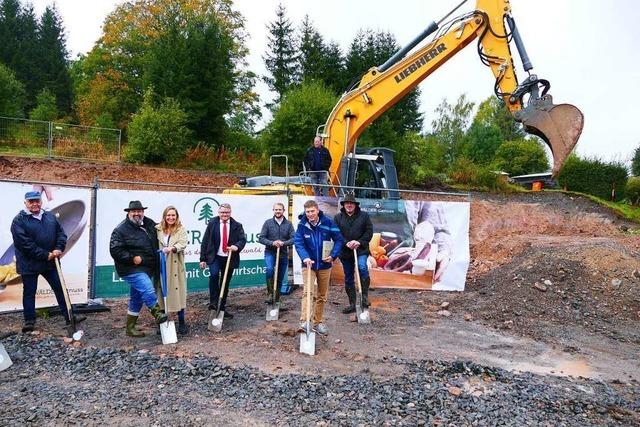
pixel 281 59
pixel 635 162
pixel 53 69
pixel 311 58
pixel 333 73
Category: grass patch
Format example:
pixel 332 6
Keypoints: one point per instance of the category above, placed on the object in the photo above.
pixel 622 210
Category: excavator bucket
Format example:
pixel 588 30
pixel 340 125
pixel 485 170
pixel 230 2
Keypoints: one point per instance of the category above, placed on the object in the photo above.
pixel 559 126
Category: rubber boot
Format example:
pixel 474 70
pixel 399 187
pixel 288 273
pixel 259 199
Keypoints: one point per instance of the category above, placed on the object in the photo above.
pixel 158 314
pixel 365 291
pixel 131 327
pixel 183 328
pixel 351 293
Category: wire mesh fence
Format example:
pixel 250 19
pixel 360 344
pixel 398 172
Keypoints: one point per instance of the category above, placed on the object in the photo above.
pixel 24 137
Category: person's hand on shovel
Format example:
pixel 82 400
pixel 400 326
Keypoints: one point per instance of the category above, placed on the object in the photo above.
pixel 308 262
pixel 353 244
pixel 232 248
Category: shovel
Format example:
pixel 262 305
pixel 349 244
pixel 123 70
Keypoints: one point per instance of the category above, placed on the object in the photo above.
pixel 362 312
pixel 5 360
pixel 308 337
pixel 216 318
pixel 72 330
pixel 167 328
pixel 273 309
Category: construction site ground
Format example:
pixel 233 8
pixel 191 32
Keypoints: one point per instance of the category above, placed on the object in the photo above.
pixel 553 288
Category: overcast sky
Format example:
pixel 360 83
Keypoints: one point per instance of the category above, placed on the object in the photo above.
pixel 585 48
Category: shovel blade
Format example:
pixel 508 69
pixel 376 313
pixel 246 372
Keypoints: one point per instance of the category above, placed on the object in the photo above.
pixel 363 316
pixel 5 360
pixel 273 311
pixel 308 343
pixel 215 321
pixel 559 126
pixel 168 332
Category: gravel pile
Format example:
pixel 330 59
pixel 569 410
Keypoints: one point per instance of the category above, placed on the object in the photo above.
pixel 55 383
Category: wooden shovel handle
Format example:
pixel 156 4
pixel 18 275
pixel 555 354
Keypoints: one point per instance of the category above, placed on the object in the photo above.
pixel 275 278
pixel 224 279
pixel 308 294
pixel 356 272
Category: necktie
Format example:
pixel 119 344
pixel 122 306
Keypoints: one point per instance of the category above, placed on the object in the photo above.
pixel 225 236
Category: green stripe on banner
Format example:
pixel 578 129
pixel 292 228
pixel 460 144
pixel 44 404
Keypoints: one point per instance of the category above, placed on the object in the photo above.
pixel 249 273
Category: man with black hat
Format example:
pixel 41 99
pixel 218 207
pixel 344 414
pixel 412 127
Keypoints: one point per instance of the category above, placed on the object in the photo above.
pixel 38 239
pixel 134 249
pixel 357 229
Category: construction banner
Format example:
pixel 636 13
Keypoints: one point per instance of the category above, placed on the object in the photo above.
pixel 415 245
pixel 195 210
pixel 72 207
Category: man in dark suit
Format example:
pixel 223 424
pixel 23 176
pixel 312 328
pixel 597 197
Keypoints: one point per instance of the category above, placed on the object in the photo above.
pixel 223 237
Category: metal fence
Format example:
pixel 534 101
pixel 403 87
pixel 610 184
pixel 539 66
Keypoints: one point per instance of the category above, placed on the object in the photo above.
pixel 24 137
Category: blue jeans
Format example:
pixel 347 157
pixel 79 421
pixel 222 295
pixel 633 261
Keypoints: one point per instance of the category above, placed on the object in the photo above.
pixel 318 178
pixel 216 271
pixel 30 282
pixel 270 264
pixel 349 268
pixel 141 291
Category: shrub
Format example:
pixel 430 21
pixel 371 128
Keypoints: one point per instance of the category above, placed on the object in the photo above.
pixel 463 171
pixel 46 109
pixel 632 190
pixel 521 158
pixel 593 176
pixel 158 134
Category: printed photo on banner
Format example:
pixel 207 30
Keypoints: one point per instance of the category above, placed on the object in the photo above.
pixel 72 207
pixel 415 244
pixel 195 210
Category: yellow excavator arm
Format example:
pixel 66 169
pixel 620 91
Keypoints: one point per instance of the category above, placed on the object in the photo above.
pixel 382 87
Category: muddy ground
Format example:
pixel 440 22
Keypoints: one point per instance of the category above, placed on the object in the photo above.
pixel 553 288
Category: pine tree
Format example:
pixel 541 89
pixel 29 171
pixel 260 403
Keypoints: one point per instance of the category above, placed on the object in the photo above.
pixel 281 59
pixel 333 72
pixel 311 58
pixel 53 69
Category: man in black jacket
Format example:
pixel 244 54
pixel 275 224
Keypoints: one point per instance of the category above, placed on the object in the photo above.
pixel 277 232
pixel 134 249
pixel 317 161
pixel 357 230
pixel 223 237
pixel 38 239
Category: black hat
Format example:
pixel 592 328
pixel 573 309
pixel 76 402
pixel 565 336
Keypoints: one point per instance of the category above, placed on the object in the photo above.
pixel 349 198
pixel 135 204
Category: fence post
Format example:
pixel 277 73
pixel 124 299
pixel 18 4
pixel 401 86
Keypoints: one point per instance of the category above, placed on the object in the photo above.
pixel 119 143
pixel 92 239
pixel 50 141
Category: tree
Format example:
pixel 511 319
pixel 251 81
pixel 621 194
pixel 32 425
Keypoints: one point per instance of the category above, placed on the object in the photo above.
pixel 635 162
pixel 12 94
pixel 281 58
pixel 450 126
pixel 19 46
pixel 53 68
pixel 493 112
pixel 333 74
pixel 158 134
pixel 521 158
pixel 295 121
pixel 189 50
pixel 481 142
pixel 593 176
pixel 46 108
pixel 311 58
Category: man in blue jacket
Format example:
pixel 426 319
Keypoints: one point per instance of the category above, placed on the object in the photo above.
pixel 316 233
pixel 38 238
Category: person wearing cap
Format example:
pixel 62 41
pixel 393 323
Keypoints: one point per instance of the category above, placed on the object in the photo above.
pixel 277 232
pixel 357 229
pixel 38 239
pixel 317 160
pixel 134 249
pixel 223 237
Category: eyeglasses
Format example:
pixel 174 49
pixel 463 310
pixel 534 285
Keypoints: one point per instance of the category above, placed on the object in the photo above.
pixel 224 212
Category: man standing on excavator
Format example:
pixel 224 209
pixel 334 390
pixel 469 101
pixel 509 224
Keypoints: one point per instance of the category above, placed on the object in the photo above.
pixel 317 161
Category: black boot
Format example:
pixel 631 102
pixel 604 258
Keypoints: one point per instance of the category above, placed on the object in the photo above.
pixel 351 293
pixel 183 328
pixel 365 291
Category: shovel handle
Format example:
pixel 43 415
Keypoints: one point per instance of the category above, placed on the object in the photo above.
pixel 308 294
pixel 356 271
pixel 65 292
pixel 224 280
pixel 275 278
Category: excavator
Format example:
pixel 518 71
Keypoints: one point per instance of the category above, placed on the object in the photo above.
pixel 492 24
